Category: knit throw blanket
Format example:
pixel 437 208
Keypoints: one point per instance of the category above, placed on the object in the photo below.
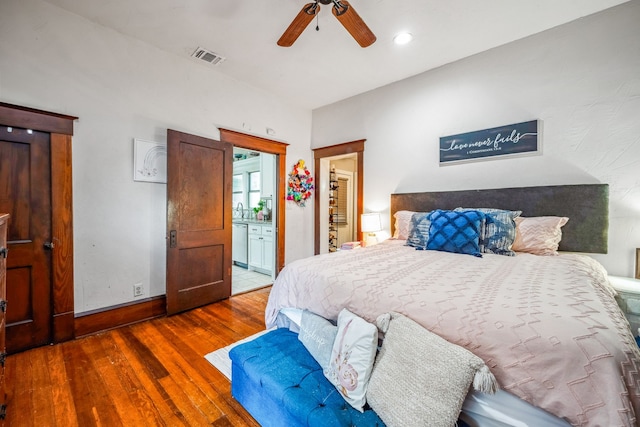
pixel 420 379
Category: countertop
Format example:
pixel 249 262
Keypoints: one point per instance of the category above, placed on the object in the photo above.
pixel 250 221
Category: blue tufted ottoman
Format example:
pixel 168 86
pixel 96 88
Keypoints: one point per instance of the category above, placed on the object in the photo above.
pixel 276 379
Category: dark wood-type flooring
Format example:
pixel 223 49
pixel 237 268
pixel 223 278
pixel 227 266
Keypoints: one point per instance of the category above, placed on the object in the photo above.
pixel 148 374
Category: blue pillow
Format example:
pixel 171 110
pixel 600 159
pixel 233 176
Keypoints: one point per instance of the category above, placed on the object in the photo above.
pixel 456 231
pixel 418 230
pixel 499 231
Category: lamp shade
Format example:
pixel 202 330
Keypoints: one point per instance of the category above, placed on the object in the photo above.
pixel 371 222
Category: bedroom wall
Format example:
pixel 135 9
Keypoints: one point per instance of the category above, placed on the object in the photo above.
pixel 122 89
pixel 581 79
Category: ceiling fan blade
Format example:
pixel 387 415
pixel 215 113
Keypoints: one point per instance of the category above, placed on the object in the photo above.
pixel 298 24
pixel 352 22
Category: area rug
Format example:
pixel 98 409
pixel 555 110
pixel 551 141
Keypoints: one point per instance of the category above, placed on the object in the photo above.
pixel 220 358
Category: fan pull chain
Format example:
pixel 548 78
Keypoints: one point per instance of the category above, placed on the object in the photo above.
pixel 317 23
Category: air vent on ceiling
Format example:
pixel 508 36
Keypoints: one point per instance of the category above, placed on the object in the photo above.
pixel 208 56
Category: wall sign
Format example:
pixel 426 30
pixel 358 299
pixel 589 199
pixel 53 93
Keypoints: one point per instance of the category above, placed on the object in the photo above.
pixel 516 139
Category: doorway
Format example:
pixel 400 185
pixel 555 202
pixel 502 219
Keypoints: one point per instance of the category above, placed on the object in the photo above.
pixel 254 213
pixel 345 164
pixel 338 202
pixel 276 232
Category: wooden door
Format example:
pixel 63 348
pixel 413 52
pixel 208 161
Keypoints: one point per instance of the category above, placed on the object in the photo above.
pixel 199 224
pixel 25 193
pixel 3 299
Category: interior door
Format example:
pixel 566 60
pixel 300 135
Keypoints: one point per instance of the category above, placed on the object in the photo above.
pixel 199 221
pixel 25 193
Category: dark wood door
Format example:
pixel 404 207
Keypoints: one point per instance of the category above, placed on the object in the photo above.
pixel 199 179
pixel 25 193
pixel 3 299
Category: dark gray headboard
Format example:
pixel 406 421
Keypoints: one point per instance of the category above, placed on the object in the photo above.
pixel 586 206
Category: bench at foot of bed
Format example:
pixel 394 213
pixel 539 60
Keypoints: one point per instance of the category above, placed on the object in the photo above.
pixel 280 384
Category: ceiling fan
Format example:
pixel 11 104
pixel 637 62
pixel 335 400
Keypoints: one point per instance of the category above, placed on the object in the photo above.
pixel 342 10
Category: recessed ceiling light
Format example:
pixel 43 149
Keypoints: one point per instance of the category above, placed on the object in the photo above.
pixel 402 38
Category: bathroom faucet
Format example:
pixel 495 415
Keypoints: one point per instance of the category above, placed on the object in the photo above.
pixel 240 207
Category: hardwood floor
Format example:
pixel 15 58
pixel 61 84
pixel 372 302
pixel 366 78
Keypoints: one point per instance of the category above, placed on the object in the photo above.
pixel 148 374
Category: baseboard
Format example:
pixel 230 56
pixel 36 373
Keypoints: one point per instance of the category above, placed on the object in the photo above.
pixel 63 327
pixel 124 314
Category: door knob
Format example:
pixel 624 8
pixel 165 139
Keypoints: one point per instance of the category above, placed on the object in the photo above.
pixel 49 245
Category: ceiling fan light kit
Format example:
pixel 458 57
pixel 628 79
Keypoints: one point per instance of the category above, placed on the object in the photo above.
pixel 342 10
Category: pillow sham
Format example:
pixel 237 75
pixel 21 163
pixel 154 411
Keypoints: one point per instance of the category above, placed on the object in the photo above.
pixel 499 233
pixel 539 235
pixel 456 231
pixel 401 227
pixel 317 334
pixel 419 230
pixel 352 356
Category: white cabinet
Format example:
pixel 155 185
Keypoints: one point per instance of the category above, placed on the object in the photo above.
pixel 267 174
pixel 261 248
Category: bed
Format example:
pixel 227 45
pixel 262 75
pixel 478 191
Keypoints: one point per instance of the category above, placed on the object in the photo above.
pixel 548 327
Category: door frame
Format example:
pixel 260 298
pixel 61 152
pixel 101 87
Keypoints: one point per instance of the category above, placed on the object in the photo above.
pixel 353 147
pixel 60 128
pixel 279 149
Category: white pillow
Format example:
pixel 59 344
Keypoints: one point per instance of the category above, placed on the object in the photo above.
pixel 352 356
pixel 401 227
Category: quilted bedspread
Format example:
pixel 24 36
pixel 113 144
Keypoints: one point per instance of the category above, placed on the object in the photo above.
pixel 547 326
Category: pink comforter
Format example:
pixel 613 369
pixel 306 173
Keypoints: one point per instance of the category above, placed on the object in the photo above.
pixel 548 327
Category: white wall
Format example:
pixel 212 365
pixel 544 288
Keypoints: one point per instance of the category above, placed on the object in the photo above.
pixel 581 79
pixel 122 89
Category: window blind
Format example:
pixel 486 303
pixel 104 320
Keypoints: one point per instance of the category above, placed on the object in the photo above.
pixel 342 200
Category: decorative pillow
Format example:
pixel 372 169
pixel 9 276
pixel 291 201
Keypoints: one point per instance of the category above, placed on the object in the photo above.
pixel 354 351
pixel 401 228
pixel 411 359
pixel 419 230
pixel 499 233
pixel 317 334
pixel 539 235
pixel 456 231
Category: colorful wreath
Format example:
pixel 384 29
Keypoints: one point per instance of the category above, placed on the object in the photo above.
pixel 300 184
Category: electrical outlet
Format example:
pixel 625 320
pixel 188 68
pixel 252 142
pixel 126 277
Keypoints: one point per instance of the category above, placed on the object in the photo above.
pixel 138 290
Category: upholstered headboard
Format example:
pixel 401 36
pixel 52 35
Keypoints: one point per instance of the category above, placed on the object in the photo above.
pixel 586 206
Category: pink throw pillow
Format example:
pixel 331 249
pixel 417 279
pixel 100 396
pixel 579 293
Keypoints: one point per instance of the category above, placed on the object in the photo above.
pixel 539 235
pixel 401 228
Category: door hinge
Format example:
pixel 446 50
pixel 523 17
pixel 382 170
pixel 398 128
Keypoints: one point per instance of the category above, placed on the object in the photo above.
pixel 3 305
pixel 3 412
pixel 4 252
pixel 3 357
pixel 173 239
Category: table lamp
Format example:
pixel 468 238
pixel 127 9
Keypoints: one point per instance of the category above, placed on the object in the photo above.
pixel 371 223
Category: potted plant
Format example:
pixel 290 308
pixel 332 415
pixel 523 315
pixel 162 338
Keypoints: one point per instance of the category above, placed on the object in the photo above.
pixel 258 210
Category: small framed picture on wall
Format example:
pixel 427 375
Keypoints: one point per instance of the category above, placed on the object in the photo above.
pixel 149 161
